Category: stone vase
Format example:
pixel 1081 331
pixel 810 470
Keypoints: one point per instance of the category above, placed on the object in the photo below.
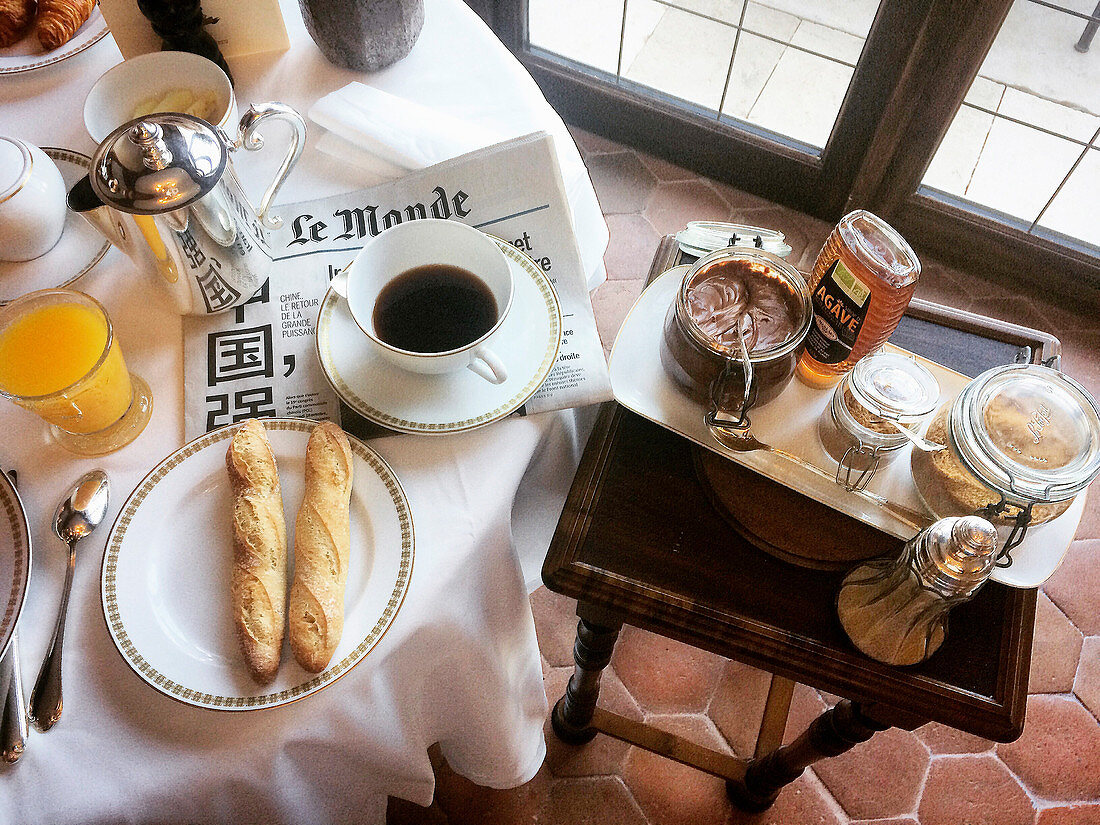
pixel 364 35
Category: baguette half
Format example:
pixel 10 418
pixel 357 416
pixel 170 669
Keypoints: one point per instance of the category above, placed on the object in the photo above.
pixel 322 538
pixel 258 588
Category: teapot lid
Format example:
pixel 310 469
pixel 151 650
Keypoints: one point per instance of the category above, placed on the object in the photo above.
pixel 158 163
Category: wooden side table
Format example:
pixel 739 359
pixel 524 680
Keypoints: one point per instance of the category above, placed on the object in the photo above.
pixel 639 543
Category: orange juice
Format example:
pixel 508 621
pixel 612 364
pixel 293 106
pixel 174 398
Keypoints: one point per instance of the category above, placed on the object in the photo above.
pixel 52 362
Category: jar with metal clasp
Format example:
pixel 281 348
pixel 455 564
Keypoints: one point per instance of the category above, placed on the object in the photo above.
pixel 1023 440
pixel 860 429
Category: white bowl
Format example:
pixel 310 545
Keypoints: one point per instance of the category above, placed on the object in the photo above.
pixel 114 97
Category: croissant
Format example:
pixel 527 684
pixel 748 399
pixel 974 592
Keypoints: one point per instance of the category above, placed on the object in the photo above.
pixel 58 20
pixel 15 19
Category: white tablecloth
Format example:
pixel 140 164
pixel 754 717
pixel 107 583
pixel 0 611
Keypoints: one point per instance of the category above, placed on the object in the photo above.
pixel 460 664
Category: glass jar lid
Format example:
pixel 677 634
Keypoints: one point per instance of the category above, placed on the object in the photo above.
pixel 1029 432
pixel 894 386
pixel 701 237
pixel 879 247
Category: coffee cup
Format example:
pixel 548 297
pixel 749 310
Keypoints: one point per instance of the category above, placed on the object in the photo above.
pixel 32 201
pixel 431 295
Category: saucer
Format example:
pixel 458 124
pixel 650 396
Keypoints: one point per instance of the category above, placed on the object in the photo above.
pixel 79 249
pixel 409 402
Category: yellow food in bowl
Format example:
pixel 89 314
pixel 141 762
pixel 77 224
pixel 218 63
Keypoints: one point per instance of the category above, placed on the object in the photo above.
pixel 202 104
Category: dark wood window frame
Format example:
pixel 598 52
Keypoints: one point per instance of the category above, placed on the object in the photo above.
pixel 920 58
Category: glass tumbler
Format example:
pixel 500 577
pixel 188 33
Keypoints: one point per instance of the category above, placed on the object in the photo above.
pixel 60 359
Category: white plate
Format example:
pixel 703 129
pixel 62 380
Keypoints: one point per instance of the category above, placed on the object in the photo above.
pixel 15 559
pixel 409 402
pixel 166 572
pixel 640 384
pixel 79 249
pixel 27 54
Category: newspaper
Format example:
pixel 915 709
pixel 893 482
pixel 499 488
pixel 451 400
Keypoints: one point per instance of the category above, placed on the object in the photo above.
pixel 260 359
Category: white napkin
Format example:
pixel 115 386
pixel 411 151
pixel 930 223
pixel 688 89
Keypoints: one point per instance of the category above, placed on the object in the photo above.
pixel 389 135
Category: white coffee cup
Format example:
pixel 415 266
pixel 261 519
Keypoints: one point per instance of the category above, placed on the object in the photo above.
pixel 32 201
pixel 418 243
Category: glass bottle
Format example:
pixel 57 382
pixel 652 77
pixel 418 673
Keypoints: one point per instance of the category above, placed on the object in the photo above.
pixel 861 283
pixel 895 610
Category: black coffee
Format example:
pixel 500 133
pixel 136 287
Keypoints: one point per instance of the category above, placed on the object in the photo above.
pixel 434 308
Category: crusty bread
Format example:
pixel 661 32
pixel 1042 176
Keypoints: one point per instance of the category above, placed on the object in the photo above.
pixel 258 588
pixel 321 543
pixel 16 17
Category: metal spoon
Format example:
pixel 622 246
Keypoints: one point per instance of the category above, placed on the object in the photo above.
pixel 78 514
pixel 919 441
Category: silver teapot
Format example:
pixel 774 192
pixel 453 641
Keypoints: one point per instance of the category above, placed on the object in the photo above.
pixel 163 190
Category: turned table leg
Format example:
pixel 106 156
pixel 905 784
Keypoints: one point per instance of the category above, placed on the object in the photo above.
pixel 832 733
pixel 596 635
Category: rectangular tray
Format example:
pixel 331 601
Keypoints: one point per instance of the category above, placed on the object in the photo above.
pixel 640 384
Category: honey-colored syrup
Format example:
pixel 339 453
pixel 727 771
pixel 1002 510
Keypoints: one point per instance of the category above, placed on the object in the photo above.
pixel 881 261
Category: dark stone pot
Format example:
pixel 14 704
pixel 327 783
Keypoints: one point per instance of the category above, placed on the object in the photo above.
pixel 365 35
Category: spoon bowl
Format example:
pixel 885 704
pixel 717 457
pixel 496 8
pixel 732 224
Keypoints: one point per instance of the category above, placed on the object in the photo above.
pixel 77 516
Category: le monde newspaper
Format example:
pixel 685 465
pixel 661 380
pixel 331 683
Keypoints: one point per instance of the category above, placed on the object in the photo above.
pixel 260 359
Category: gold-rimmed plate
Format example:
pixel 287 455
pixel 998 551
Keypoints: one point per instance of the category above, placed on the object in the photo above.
pixel 27 54
pixel 15 559
pixel 166 572
pixel 407 402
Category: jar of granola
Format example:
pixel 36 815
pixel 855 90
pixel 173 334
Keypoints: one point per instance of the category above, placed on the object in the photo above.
pixel 1023 440
pixel 860 427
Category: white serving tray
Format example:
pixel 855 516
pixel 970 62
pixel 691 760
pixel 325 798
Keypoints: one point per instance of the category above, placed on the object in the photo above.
pixel 640 384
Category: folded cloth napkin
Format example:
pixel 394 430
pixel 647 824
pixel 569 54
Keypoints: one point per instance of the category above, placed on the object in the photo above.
pixel 390 135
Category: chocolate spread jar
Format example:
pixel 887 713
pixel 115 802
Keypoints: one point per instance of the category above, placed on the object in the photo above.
pixel 700 341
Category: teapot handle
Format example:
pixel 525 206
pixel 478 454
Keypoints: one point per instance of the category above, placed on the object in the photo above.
pixel 250 139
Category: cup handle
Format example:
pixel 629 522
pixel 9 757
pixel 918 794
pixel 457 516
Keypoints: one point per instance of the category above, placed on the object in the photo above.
pixel 486 364
pixel 339 282
pixel 250 139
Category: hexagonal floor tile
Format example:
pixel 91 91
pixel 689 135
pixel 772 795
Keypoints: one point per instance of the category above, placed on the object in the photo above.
pixel 1075 586
pixel 622 183
pixel 1055 651
pixel 804 802
pixel 1070 815
pixel 590 801
pixel 977 790
pixel 555 625
pixel 879 778
pixel 632 246
pixel 943 739
pixel 1087 683
pixel 663 675
pixel 672 205
pixel 1058 756
pixel 738 705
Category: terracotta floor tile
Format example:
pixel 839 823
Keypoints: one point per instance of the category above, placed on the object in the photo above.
pixel 663 675
pixel 1087 684
pixel 592 144
pixel 402 812
pixel 630 251
pixel 1080 360
pixel 622 184
pixel 1070 815
pixel 878 778
pixel 1089 528
pixel 673 794
pixel 590 801
pixel 806 705
pixel 611 302
pixel 664 170
pixel 901 820
pixel 976 790
pixel 672 205
pixel 804 802
pixel 941 285
pixel 466 803
pixel 604 755
pixel 1058 756
pixel 943 739
pixel 738 705
pixel 740 201
pixel 1075 586
pixel 555 625
pixel 1055 651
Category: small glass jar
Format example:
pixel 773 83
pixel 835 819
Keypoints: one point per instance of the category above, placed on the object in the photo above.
pixel 1022 440
pixel 702 355
pixel 699 238
pixel 859 428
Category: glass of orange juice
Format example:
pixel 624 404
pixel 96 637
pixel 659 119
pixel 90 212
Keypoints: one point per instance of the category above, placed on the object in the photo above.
pixel 60 359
